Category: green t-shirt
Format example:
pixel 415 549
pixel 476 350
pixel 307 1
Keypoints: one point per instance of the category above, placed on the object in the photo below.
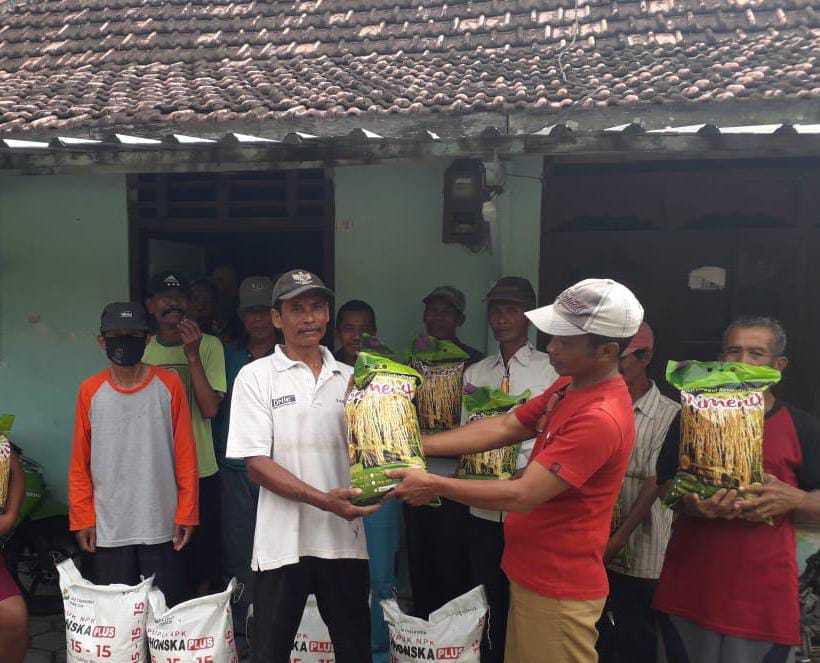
pixel 213 361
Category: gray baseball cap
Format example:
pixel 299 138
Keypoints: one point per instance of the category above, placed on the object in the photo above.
pixel 297 282
pixel 256 292
pixel 451 295
pixel 127 316
pixel 594 306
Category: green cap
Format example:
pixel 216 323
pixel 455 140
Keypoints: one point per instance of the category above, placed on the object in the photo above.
pixel 256 292
pixel 451 295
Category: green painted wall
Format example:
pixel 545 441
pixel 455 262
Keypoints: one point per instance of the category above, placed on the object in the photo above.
pixel 63 255
pixel 519 219
pixel 389 250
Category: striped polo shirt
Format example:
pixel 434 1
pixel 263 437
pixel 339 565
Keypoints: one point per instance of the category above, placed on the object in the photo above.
pixel 654 414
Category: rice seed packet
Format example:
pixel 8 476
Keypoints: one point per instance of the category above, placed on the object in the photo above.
pixel 441 365
pixel 383 429
pixel 500 463
pixel 722 420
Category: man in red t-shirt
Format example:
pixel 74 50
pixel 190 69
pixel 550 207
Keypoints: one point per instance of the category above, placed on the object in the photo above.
pixel 728 590
pixel 561 507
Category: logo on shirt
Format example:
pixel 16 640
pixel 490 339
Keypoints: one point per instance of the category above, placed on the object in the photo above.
pixel 282 401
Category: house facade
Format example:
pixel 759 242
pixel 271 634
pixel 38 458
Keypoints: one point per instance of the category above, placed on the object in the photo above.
pixel 672 144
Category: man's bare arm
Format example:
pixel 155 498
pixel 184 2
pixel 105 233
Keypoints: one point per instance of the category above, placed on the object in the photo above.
pixel 268 473
pixel 536 486
pixel 481 435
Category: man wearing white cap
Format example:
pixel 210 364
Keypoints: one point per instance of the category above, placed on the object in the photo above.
pixel 561 507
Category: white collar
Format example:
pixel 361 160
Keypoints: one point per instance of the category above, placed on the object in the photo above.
pixel 523 355
pixel 281 362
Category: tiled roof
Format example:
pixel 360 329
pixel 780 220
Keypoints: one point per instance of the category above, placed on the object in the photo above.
pixel 79 64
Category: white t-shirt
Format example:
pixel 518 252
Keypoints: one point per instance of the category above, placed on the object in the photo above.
pixel 279 410
pixel 528 369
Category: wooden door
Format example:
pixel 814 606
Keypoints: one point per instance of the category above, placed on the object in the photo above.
pixel 765 275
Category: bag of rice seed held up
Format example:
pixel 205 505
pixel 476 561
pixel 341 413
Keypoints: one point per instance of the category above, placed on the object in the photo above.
pixel 383 430
pixel 623 558
pixel 6 420
pixel 722 419
pixel 502 463
pixel 441 364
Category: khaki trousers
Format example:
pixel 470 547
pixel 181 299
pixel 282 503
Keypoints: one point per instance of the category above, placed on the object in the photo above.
pixel 541 629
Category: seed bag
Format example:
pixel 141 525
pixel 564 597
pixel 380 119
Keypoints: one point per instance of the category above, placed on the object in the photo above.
pixel 312 643
pixel 722 419
pixel 196 631
pixel 6 450
pixel 496 463
pixel 441 364
pixel 103 622
pixel 5 470
pixel 623 558
pixel 452 633
pixel 383 430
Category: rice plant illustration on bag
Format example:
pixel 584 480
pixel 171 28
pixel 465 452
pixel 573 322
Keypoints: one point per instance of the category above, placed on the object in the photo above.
pixel 722 420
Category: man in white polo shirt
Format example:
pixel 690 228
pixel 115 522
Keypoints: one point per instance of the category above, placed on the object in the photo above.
pixel 516 367
pixel 287 423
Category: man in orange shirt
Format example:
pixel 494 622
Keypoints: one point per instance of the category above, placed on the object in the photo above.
pixel 560 510
pixel 133 478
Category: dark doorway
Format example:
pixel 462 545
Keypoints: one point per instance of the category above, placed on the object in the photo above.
pixel 258 223
pixel 699 243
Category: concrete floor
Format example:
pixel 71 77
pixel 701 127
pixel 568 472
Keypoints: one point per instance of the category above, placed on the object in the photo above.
pixel 47 640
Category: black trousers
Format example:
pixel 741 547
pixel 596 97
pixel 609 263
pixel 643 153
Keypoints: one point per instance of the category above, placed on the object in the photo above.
pixel 437 554
pixel 486 547
pixel 634 636
pixel 342 589
pixel 125 564
pixel 202 553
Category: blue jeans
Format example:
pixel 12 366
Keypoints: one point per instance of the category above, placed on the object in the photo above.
pixel 239 499
pixel 383 530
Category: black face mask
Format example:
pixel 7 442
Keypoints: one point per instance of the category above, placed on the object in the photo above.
pixel 125 350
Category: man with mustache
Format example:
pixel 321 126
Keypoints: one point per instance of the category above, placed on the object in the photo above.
pixel 728 591
pixel 288 425
pixel 198 358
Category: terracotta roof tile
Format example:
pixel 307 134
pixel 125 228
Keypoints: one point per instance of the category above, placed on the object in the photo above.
pixel 72 63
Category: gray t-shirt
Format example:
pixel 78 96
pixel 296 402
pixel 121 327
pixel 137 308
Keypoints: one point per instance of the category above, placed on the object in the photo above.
pixel 133 468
